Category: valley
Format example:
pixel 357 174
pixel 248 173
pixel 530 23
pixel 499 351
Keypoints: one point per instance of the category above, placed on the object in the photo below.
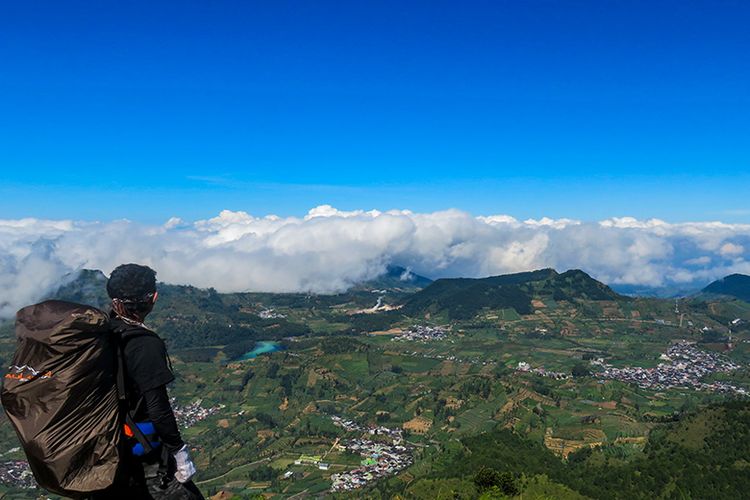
pixel 558 370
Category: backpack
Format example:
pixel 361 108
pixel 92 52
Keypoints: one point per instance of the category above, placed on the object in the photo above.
pixel 63 395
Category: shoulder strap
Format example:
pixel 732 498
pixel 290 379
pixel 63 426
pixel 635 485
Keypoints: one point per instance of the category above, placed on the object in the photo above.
pixel 122 395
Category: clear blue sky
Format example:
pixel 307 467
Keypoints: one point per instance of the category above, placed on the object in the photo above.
pixel 566 109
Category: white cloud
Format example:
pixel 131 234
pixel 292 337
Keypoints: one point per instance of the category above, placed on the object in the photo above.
pixel 327 250
pixel 731 249
pixel 699 261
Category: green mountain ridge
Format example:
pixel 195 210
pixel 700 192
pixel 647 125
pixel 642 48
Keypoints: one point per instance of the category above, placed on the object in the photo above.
pixel 734 285
pixel 462 298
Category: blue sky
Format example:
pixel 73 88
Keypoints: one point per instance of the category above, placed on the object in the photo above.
pixel 572 109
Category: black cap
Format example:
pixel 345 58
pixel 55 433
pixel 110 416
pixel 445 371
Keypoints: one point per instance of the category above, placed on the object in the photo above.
pixel 131 282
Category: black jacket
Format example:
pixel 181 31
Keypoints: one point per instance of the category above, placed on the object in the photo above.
pixel 147 373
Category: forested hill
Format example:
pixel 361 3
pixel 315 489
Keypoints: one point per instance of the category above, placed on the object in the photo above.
pixel 462 298
pixel 703 455
pixel 87 286
pixel 734 285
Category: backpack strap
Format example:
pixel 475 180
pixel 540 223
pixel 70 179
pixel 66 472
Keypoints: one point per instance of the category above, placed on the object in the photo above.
pixel 122 395
pixel 166 466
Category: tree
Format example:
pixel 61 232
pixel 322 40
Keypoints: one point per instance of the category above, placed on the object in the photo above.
pixel 485 478
pixel 490 479
pixel 580 370
pixel 508 484
pixel 580 456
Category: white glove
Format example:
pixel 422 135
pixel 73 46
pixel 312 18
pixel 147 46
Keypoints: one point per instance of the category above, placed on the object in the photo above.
pixel 185 466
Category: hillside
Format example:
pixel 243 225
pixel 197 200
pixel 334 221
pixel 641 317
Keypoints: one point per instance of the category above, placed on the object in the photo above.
pixel 462 298
pixel 702 455
pixel 734 285
pixel 87 286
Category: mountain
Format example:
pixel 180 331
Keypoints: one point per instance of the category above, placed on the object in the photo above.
pixel 87 286
pixel 463 298
pixel 191 317
pixel 395 278
pixel 734 285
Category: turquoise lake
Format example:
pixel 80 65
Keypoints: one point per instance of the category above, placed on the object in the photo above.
pixel 262 347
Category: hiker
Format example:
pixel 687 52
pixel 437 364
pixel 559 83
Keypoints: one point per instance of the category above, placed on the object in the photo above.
pixel 166 470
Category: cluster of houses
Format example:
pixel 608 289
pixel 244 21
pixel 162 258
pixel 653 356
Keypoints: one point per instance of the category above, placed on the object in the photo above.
pixel 191 414
pixel 684 366
pixel 380 458
pixel 17 474
pixel 422 333
pixel 271 314
pixel 523 366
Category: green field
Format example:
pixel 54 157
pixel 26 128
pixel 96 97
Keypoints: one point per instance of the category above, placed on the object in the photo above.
pixel 278 406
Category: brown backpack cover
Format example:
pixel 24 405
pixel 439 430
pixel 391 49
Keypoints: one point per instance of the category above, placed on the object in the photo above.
pixel 60 394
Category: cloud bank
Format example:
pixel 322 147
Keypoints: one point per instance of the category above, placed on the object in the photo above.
pixel 328 250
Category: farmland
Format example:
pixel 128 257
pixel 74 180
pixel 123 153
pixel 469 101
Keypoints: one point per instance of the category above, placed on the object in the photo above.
pixel 441 387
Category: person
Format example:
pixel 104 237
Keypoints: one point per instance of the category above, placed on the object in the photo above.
pixel 164 472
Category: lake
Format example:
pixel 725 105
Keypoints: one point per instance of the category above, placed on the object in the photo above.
pixel 262 347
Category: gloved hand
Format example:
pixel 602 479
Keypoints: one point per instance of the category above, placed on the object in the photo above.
pixel 185 466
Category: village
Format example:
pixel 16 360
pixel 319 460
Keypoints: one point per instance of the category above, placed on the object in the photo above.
pixel 685 366
pixel 422 333
pixel 380 458
pixel 191 414
pixel 16 473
